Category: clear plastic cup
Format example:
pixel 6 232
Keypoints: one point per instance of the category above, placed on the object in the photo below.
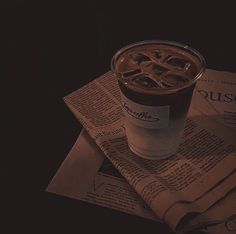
pixel 156 80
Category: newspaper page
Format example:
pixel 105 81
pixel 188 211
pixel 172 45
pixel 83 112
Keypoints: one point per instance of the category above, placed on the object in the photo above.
pixel 223 212
pixel 206 157
pixel 88 176
pixel 174 214
pixel 226 227
pixel 61 183
pixel 219 89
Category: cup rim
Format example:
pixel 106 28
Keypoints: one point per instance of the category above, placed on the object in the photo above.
pixel 174 89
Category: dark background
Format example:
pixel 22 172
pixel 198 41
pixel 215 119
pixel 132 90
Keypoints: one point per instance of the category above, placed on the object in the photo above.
pixel 49 49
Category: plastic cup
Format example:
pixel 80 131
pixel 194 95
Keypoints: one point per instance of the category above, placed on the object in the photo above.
pixel 156 80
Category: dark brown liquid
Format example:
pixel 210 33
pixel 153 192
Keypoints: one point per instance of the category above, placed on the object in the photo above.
pixel 154 67
pixel 158 75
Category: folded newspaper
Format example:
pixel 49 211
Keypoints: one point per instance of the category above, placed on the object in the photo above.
pixel 186 191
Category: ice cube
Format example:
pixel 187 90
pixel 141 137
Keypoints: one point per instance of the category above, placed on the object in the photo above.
pixel 166 58
pixel 158 69
pixel 139 58
pixel 174 80
pixel 131 73
pixel 157 54
pixel 144 81
pixel 178 62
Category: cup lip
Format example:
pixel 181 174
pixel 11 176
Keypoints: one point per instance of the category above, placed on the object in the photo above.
pixel 169 90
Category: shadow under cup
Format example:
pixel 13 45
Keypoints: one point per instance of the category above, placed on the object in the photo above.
pixel 155 115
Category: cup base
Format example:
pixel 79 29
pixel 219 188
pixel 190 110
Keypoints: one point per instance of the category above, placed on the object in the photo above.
pixel 151 155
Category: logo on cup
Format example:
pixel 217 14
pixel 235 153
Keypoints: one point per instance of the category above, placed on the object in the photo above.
pixel 141 115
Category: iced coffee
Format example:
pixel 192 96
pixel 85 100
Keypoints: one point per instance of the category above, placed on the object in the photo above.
pixel 156 79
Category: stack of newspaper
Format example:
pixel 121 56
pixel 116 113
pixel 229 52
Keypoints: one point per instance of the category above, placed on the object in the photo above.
pixel 194 189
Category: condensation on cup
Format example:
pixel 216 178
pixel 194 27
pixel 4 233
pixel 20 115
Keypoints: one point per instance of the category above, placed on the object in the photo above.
pixel 156 79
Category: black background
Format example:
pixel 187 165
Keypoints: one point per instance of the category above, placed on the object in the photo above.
pixel 49 49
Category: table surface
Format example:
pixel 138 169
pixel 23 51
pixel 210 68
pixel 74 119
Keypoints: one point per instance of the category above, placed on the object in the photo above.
pixel 51 49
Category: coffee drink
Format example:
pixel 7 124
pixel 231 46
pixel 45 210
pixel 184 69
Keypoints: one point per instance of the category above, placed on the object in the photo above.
pixel 156 79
